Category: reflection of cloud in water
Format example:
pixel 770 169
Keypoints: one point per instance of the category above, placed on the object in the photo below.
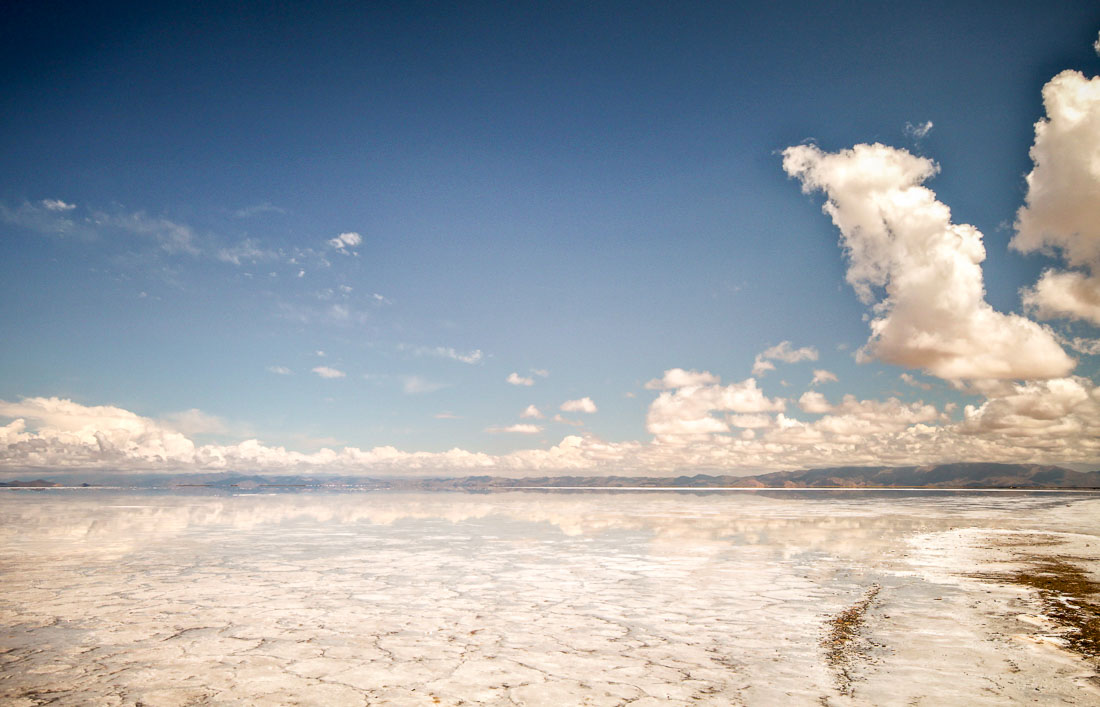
pixel 846 524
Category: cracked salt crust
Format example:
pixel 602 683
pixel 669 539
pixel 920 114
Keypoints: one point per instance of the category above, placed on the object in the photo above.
pixel 520 598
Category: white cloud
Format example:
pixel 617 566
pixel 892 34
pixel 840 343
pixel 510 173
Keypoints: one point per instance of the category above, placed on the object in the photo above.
pixel 1064 295
pixel 532 412
pixel 516 379
pixel 885 415
pixel 781 352
pixel 1038 414
pixel 582 405
pixel 1089 347
pixel 471 357
pixel 280 370
pixel 921 272
pixel 814 403
pixel 1096 46
pixel 540 372
pixel 247 250
pixel 416 385
pixel 516 429
pixel 263 208
pixel 566 421
pixel 171 236
pixel 327 372
pixel 823 376
pixel 686 413
pixel 1062 209
pixel 679 378
pixel 42 219
pixel 908 379
pixel 345 240
pixel 57 205
pixel 446 416
pixel 919 130
pixel 67 434
pixel 194 422
pixel 750 421
pixel 1056 421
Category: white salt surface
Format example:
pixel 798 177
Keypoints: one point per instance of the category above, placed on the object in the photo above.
pixel 529 598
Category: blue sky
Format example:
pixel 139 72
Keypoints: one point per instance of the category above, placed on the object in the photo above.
pixel 586 196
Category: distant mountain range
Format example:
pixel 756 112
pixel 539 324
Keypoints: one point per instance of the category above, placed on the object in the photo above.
pixel 975 475
pixel 969 475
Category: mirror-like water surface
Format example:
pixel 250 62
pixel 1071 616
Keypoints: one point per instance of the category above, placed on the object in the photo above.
pixel 120 597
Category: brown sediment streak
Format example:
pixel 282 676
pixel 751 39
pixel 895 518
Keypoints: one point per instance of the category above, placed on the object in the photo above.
pixel 840 643
pixel 1070 598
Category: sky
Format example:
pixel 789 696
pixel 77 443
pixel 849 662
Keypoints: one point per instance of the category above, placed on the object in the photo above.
pixel 526 239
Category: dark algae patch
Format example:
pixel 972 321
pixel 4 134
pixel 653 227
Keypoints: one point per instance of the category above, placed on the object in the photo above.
pixel 1068 595
pixel 1070 598
pixel 844 642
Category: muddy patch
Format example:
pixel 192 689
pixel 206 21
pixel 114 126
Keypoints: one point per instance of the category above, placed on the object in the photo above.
pixel 845 645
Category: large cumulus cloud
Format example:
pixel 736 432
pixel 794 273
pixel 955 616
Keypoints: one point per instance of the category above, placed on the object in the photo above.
pixel 1062 210
pixel 921 272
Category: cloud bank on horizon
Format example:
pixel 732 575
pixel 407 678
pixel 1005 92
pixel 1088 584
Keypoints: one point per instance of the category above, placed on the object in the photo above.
pixel 918 273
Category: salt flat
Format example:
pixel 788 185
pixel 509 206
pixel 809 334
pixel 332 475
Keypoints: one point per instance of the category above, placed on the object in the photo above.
pixel 536 598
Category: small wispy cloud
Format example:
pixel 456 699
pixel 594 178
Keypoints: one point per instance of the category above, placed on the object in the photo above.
pixel 280 370
pixel 264 208
pixel 908 379
pixel 471 357
pixel 171 236
pixel 247 250
pixel 417 385
pixel 531 412
pixel 823 376
pixel 919 130
pixel 445 415
pixel 41 218
pixel 783 351
pixel 345 240
pixel 516 379
pixel 519 428
pixel 1089 347
pixel 194 421
pixel 540 372
pixel 584 404
pixel 328 372
pixel 57 205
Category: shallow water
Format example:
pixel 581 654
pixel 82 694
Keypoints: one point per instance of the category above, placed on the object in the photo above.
pixel 534 598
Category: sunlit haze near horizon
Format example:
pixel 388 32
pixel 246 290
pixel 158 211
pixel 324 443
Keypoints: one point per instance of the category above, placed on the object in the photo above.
pixel 538 239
